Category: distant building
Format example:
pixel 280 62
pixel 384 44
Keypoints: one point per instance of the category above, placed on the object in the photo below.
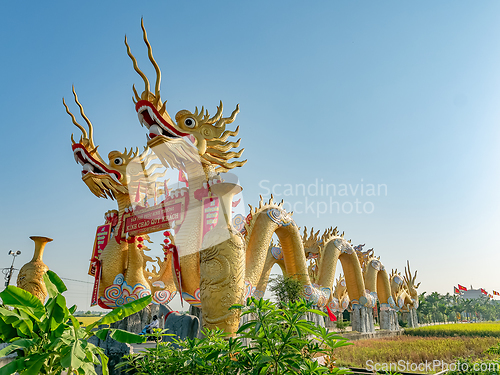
pixel 471 294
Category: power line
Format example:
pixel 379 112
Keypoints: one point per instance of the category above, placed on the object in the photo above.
pixel 78 281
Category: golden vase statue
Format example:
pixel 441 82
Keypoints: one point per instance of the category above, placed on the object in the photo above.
pixel 31 274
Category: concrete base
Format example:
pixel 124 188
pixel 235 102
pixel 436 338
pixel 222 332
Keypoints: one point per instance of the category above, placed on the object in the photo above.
pixel 317 319
pixel 136 322
pixel 362 319
pixel 196 311
pixel 115 351
pixel 388 319
pixel 410 318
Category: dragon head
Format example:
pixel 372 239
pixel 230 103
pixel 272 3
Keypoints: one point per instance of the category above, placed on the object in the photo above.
pixel 108 179
pixel 409 282
pixel 207 134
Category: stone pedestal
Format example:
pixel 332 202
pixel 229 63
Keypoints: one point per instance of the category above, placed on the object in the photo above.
pixel 317 319
pixel 115 351
pixel 196 311
pixel 388 318
pixel 136 322
pixel 410 318
pixel 362 319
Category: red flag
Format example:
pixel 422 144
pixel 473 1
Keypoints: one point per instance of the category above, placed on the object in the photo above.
pixel 455 290
pixel 460 287
pixel 138 194
pixel 490 296
pixel 496 293
pixel 484 291
pixel 332 316
pixel 182 177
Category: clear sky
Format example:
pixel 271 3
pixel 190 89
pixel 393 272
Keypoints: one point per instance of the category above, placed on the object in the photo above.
pixel 405 95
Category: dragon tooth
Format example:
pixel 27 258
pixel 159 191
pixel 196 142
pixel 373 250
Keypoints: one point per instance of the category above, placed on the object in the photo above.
pixel 155 129
pixel 88 167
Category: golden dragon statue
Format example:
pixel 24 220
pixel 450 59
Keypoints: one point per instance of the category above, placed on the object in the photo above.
pixel 220 266
pixel 123 276
pixel 226 266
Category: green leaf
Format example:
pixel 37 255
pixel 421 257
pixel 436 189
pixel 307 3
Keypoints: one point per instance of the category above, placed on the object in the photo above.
pixel 74 357
pixel 120 335
pixel 122 312
pixel 13 367
pixel 23 300
pixel 246 326
pixel 75 322
pixel 104 361
pixel 53 283
pixel 18 344
pixel 72 309
pixel 34 364
pixel 7 332
pixel 57 312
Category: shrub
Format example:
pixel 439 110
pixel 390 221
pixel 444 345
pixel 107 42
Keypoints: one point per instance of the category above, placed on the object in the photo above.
pixel 286 289
pixel 49 339
pixel 278 344
pixel 342 325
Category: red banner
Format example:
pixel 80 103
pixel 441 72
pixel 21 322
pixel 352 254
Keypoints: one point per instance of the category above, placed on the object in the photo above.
pixel 156 218
pixel 460 287
pixel 177 268
pixel 101 240
pixel 455 290
pixel 210 213
pixel 95 291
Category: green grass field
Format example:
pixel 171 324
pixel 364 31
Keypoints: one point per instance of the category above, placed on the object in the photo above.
pixel 486 329
pixel 415 350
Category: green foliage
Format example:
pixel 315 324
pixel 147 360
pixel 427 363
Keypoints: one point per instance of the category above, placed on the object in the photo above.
pixel 451 308
pixel 484 329
pixel 280 341
pixel 48 338
pixel 286 289
pixel 342 325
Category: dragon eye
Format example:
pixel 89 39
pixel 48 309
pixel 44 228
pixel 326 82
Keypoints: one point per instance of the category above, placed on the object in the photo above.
pixel 190 122
pixel 118 161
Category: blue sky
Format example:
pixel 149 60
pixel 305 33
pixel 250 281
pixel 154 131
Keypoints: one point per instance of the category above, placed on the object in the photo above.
pixel 401 94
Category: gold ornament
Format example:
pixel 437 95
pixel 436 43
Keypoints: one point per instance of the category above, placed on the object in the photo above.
pixel 30 276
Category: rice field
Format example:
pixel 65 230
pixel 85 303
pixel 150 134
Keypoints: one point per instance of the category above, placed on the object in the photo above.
pixel 415 350
pixel 486 329
pixel 86 320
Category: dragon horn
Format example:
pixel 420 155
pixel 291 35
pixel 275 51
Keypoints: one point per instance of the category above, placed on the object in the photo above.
pixel 74 121
pixel 136 68
pixel 153 61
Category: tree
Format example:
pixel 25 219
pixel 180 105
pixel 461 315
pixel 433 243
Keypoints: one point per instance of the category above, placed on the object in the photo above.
pixel 286 289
